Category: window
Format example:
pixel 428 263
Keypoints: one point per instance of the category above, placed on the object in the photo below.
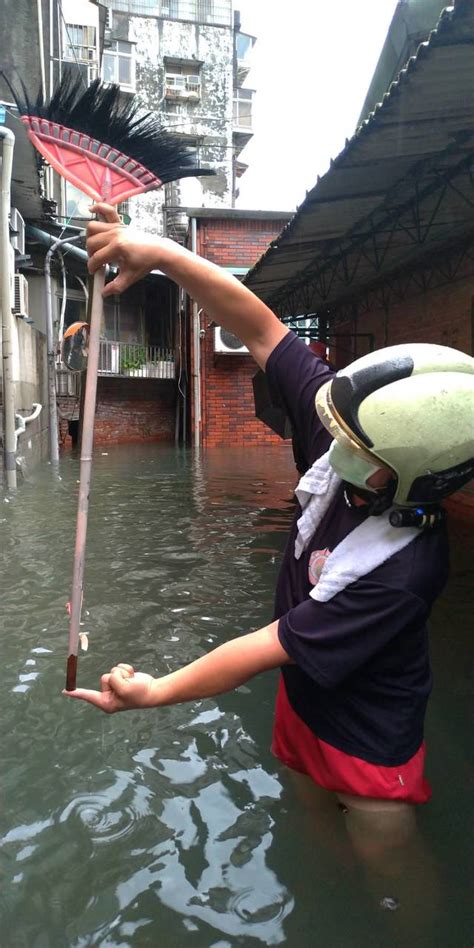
pixel 243 108
pixel 77 203
pixel 80 43
pixel 203 11
pixel 118 64
pixel 174 107
pixel 183 80
pixel 80 51
pixel 244 44
pixel 124 321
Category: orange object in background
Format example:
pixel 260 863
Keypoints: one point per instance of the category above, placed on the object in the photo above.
pixel 75 346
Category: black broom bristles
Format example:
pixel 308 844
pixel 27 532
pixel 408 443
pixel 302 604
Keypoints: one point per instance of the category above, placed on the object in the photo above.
pixel 102 112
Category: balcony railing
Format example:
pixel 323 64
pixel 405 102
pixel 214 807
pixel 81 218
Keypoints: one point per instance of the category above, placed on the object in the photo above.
pixel 120 359
pixel 217 12
pixel 135 361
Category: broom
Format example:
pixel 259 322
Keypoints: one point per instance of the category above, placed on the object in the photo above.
pixel 109 149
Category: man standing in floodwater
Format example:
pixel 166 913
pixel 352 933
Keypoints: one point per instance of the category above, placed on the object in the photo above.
pixel 384 440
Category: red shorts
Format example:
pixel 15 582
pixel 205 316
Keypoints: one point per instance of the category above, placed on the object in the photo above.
pixel 296 745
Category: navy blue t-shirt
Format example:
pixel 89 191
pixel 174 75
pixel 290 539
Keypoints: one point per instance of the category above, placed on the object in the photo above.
pixel 362 676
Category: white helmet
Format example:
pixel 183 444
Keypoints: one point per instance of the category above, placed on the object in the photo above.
pixel 409 408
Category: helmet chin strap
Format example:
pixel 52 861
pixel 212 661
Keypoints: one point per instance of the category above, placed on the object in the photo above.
pixel 376 501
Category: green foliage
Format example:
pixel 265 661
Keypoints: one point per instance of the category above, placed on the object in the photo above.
pixel 134 359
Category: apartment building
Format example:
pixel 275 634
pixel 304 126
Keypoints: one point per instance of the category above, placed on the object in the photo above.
pixel 187 61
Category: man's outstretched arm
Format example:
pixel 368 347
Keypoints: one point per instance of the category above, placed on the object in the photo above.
pixel 221 670
pixel 220 294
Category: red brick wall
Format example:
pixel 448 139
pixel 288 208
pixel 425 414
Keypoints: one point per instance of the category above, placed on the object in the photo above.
pixel 227 406
pixel 442 315
pixel 134 410
pixel 236 243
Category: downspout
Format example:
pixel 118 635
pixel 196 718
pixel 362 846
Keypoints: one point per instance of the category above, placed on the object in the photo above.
pixel 196 326
pixel 41 48
pixel 51 47
pixel 52 410
pixel 9 438
pixel 34 233
pixel 23 422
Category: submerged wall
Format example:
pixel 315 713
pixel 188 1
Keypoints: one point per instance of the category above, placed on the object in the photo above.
pixel 132 410
pixel 435 308
pixel 30 374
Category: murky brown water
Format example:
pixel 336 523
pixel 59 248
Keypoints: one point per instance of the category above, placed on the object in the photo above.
pixel 178 827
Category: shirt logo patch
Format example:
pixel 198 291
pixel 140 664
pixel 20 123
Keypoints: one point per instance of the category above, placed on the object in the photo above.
pixel 315 565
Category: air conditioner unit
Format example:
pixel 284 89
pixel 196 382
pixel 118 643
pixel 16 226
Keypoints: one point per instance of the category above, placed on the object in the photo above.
pixel 226 343
pixel 11 268
pixel 17 226
pixel 20 305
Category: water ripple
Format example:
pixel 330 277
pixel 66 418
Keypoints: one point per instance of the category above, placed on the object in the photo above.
pixel 168 826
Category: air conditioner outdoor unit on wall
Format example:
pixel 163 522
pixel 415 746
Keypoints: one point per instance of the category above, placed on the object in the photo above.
pixel 17 225
pixel 11 267
pixel 226 343
pixel 20 305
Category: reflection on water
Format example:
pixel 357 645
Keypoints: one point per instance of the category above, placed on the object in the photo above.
pixel 177 827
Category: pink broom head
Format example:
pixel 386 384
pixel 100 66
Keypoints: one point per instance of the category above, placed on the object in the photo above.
pixel 102 143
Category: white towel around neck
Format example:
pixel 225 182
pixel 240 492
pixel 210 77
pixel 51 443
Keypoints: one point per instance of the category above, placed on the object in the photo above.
pixel 361 551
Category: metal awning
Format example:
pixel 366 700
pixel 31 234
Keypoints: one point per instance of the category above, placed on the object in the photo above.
pixel 401 188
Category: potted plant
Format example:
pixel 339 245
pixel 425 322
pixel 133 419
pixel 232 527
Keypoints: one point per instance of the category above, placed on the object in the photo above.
pixel 133 362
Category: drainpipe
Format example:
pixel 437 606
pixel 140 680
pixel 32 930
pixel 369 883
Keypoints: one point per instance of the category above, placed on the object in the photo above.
pixel 51 46
pixel 41 48
pixel 9 439
pixel 23 421
pixel 53 414
pixel 34 233
pixel 196 326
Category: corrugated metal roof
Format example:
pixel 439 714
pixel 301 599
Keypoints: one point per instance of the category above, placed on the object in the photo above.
pixel 402 162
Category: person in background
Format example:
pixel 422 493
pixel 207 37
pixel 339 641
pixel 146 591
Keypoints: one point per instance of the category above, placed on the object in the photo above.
pixel 384 441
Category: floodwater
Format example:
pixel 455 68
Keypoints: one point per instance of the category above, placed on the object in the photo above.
pixel 177 827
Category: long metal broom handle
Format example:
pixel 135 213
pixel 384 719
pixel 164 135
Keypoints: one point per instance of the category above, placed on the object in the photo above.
pixel 85 478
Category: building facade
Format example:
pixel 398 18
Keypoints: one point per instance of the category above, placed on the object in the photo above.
pixel 223 405
pixel 188 62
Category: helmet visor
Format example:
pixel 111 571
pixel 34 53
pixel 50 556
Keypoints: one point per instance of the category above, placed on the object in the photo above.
pixel 339 430
pixel 352 467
